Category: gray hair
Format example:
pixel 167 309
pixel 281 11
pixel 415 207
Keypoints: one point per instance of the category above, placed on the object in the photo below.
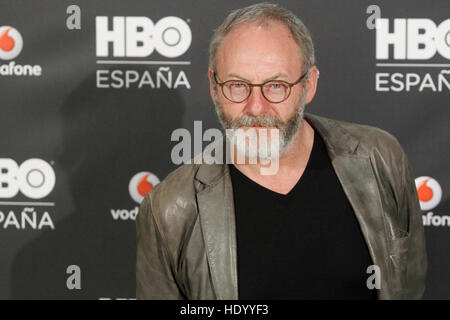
pixel 264 13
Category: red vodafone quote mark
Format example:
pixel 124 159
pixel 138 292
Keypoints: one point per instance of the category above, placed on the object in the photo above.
pixel 425 192
pixel 144 186
pixel 6 42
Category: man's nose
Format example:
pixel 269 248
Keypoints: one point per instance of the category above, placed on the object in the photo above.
pixel 256 103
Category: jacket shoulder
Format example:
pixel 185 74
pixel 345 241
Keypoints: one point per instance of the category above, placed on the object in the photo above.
pixel 386 155
pixel 177 190
pixel 372 138
pixel 172 203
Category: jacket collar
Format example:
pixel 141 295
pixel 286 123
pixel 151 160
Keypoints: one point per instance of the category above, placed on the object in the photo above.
pixel 337 139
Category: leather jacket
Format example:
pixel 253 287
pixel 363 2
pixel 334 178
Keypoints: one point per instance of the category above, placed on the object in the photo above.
pixel 186 233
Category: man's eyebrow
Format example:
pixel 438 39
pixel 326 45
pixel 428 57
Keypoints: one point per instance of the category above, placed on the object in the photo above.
pixel 275 76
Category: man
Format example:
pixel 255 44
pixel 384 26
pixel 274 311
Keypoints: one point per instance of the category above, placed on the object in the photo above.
pixel 338 219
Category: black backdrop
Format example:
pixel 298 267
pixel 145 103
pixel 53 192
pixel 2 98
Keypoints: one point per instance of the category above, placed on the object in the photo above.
pixel 94 132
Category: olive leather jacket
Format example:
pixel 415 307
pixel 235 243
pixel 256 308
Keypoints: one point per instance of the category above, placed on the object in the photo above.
pixel 186 233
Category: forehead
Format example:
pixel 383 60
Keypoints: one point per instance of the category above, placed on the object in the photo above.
pixel 255 50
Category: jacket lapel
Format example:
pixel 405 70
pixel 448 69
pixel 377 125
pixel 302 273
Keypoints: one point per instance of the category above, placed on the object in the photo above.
pixel 358 181
pixel 216 210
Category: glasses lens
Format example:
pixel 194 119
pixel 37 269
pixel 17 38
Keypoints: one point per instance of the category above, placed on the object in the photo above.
pixel 276 91
pixel 236 91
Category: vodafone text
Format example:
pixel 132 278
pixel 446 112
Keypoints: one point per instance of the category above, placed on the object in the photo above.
pixel 124 214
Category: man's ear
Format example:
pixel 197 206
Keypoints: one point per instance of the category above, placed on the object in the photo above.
pixel 311 84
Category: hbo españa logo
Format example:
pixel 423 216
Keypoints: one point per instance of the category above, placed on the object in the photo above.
pixel 139 36
pixel 34 178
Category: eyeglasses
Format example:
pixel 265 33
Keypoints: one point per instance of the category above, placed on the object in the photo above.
pixel 274 91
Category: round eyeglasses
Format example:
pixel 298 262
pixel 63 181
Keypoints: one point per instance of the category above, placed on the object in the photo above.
pixel 274 91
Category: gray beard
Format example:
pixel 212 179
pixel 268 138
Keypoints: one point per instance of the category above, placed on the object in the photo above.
pixel 287 130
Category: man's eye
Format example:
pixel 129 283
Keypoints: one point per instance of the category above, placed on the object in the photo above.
pixel 275 85
pixel 237 85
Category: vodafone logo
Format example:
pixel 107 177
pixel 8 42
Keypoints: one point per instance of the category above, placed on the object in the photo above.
pixel 141 184
pixel 429 192
pixel 11 43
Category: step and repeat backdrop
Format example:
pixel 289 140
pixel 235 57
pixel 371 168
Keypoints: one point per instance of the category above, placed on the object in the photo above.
pixel 91 92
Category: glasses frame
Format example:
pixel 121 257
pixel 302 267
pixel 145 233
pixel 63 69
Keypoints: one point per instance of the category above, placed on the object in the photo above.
pixel 260 85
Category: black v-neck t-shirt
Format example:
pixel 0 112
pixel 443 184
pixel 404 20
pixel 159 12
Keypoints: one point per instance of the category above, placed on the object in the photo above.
pixel 306 244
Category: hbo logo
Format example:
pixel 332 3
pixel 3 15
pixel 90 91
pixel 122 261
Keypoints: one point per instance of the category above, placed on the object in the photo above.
pixel 413 39
pixel 35 178
pixel 139 36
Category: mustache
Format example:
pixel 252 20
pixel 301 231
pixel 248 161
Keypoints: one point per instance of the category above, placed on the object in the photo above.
pixel 258 120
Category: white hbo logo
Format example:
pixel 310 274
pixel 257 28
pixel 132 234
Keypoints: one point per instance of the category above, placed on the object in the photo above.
pixel 412 39
pixel 139 36
pixel 11 43
pixel 35 178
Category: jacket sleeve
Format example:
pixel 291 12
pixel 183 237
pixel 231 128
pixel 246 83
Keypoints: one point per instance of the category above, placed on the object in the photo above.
pixel 417 256
pixel 154 276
